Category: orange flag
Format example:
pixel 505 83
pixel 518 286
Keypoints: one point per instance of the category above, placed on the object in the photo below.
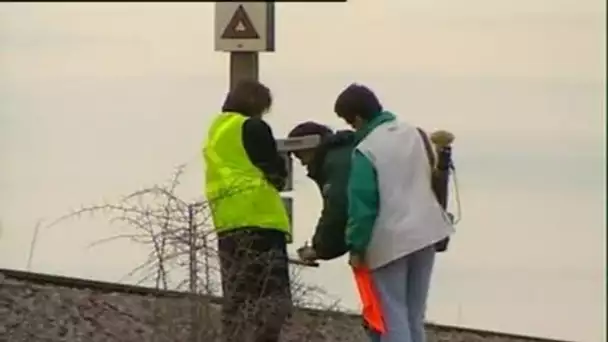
pixel 372 312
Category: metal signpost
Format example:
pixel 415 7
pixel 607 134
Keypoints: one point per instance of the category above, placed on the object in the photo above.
pixel 244 29
pixel 285 146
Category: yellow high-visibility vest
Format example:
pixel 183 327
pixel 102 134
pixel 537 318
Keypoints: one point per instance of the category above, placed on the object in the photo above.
pixel 237 191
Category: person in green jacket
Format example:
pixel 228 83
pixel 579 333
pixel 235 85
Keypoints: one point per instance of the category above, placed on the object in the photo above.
pixel 394 218
pixel 328 165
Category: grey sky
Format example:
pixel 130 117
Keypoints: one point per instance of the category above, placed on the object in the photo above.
pixel 97 100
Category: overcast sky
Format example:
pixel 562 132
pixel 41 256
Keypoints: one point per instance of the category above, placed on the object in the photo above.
pixel 98 100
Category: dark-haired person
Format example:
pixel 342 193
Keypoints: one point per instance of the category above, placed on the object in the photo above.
pixel 244 174
pixel 328 165
pixel 394 218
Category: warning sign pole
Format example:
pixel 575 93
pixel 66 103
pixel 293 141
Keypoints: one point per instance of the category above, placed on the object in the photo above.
pixel 244 29
pixel 243 65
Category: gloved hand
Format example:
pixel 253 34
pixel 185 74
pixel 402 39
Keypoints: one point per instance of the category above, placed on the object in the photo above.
pixel 307 253
pixel 356 260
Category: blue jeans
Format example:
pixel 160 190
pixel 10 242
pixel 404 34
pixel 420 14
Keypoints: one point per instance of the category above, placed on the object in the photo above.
pixel 403 288
pixel 373 336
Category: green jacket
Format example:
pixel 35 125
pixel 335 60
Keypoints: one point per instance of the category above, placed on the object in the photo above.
pixel 330 170
pixel 362 189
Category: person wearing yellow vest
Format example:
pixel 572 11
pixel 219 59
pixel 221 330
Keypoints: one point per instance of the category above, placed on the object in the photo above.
pixel 244 174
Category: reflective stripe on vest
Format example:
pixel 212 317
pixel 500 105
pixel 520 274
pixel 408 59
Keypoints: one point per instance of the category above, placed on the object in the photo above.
pixel 238 193
pixel 212 140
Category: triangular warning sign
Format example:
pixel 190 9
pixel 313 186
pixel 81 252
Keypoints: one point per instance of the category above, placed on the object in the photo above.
pixel 240 26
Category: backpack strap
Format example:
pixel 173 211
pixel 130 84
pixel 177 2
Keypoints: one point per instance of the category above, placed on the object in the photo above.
pixel 429 149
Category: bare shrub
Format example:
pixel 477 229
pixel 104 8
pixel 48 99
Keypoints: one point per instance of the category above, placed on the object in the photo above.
pixel 183 256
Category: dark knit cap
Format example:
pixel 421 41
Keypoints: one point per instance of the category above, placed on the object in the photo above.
pixel 310 128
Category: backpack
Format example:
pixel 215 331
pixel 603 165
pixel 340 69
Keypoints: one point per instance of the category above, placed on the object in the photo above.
pixel 436 179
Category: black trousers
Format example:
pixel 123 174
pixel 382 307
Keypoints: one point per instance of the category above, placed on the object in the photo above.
pixel 255 283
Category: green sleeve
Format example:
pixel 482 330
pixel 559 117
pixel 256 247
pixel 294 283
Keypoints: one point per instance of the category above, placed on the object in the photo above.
pixel 328 240
pixel 363 203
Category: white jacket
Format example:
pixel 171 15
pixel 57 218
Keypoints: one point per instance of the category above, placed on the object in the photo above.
pixel 409 217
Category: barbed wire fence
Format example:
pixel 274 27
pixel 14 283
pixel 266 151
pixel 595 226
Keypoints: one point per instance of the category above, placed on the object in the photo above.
pixel 183 257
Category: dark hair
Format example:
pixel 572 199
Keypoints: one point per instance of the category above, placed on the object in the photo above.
pixel 357 100
pixel 310 128
pixel 248 97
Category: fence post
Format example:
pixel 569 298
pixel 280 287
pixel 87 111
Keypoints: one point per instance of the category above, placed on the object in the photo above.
pixel 195 328
pixel 193 274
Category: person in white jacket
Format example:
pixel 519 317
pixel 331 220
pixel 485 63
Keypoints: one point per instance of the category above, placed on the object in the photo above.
pixel 394 219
